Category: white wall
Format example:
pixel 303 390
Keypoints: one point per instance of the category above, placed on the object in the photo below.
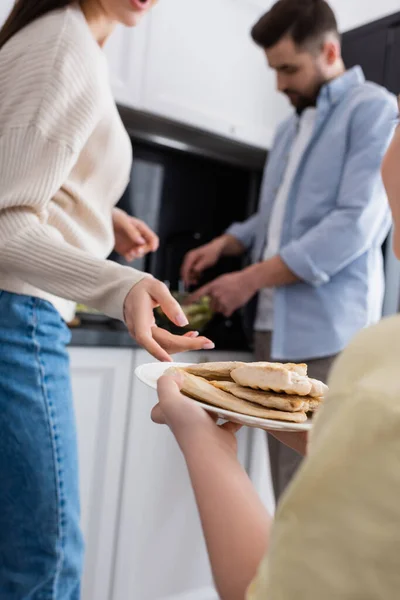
pixel 353 13
pixel 350 13
pixel 5 8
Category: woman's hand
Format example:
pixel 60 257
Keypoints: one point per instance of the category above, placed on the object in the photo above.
pixel 187 420
pixel 133 238
pixel 139 305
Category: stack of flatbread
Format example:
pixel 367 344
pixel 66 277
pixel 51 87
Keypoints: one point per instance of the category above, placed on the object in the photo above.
pixel 267 390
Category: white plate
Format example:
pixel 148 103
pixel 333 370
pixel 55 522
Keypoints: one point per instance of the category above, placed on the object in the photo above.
pixel 150 373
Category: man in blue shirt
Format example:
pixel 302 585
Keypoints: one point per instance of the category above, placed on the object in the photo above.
pixel 317 266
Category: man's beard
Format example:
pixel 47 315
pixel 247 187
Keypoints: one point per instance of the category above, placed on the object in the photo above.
pixel 300 102
pixel 305 103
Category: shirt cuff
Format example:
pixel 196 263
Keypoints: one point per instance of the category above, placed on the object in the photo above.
pixel 302 265
pixel 241 234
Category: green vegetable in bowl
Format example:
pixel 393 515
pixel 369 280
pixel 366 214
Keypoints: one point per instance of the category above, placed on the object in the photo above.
pixel 82 308
pixel 199 313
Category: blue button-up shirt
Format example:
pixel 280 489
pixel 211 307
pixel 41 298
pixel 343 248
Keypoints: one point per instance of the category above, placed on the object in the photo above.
pixel 337 218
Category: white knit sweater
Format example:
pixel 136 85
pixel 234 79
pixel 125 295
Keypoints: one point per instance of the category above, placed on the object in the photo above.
pixel 64 162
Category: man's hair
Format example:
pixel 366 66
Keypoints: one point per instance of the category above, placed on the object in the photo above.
pixel 307 22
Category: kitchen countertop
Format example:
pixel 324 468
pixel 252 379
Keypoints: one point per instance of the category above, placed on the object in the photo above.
pixel 113 335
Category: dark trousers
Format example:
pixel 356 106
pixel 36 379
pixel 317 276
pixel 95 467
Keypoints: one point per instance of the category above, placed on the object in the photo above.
pixel 284 461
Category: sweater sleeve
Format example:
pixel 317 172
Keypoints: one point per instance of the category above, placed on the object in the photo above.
pixel 46 122
pixel 32 169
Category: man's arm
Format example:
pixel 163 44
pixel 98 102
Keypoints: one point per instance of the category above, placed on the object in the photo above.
pixel 245 232
pixel 198 260
pixel 230 245
pixel 349 229
pixel 230 292
pixel 273 272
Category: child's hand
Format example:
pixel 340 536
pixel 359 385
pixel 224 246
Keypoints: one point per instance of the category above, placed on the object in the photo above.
pixel 187 420
pixel 298 441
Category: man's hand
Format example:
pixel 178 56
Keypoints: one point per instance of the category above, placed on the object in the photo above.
pixel 133 238
pixel 229 292
pixel 198 260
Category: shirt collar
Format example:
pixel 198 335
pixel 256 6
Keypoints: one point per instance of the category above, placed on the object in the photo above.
pixel 332 92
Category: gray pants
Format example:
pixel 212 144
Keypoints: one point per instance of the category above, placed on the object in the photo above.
pixel 283 460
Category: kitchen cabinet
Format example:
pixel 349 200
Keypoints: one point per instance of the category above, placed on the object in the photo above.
pixel 5 9
pixel 375 47
pixel 195 63
pixel 204 70
pixel 139 517
pixel 101 380
pixel 369 51
pixel 161 553
pixel 358 12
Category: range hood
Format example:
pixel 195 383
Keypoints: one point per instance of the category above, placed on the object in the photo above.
pixel 162 132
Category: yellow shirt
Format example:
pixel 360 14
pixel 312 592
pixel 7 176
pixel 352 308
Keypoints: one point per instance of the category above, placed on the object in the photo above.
pixel 336 534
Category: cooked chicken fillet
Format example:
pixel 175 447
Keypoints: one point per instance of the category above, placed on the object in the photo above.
pixel 201 389
pixel 318 389
pixel 268 399
pixel 213 370
pixel 299 368
pixel 272 376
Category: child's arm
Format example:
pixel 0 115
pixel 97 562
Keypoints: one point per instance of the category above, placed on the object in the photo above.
pixel 236 524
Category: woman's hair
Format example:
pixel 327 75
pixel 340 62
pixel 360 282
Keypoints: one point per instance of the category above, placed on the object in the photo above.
pixel 25 12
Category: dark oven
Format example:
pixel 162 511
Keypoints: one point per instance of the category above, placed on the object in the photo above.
pixel 189 199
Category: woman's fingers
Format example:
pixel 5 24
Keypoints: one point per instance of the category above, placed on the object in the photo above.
pixel 174 344
pixel 144 338
pixel 171 308
pixel 139 318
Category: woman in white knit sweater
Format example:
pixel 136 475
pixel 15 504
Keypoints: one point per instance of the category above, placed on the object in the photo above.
pixel 64 162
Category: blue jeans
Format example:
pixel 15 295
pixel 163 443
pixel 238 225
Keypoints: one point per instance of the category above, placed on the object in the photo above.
pixel 41 547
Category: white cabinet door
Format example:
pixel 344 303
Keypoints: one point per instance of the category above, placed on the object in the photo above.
pixel 161 553
pixel 203 69
pixel 101 380
pixel 126 54
pixel 5 9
